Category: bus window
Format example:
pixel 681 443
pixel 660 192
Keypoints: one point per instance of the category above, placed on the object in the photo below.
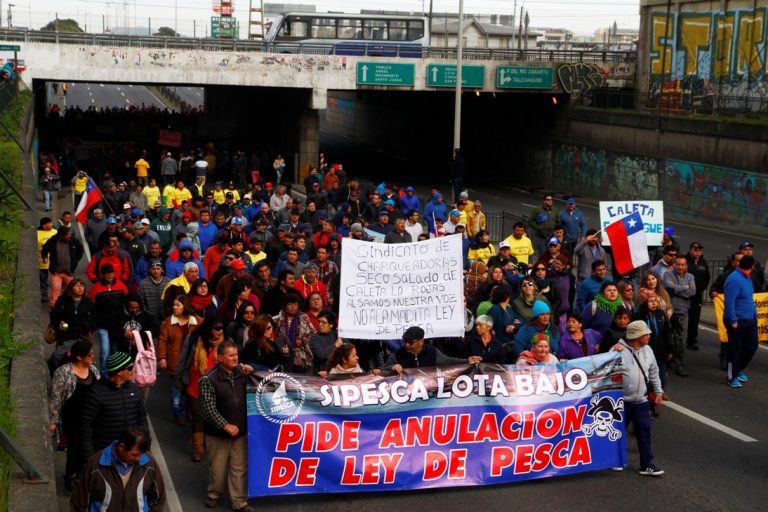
pixel 295 28
pixel 398 30
pixel 350 29
pixel 415 30
pixel 375 29
pixel 323 28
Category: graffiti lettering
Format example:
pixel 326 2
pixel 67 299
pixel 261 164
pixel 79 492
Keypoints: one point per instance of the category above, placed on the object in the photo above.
pixel 709 45
pixel 578 78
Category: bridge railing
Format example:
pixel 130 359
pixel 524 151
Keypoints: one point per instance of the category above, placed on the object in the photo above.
pixel 678 102
pixel 365 49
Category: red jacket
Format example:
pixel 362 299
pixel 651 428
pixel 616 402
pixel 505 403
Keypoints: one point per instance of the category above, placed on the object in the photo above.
pixel 321 238
pixel 121 261
pixel 212 258
pixel 305 289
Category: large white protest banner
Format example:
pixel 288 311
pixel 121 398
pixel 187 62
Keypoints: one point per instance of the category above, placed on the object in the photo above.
pixel 386 288
pixel 651 212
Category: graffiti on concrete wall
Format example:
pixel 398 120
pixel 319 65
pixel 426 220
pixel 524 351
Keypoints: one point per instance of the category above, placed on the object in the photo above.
pixel 579 77
pixel 688 189
pixel 695 56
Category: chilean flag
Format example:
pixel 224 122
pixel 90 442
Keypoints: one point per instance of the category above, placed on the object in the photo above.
pixel 627 237
pixel 91 196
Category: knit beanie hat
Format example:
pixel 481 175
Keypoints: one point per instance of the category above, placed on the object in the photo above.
pixel 539 308
pixel 117 361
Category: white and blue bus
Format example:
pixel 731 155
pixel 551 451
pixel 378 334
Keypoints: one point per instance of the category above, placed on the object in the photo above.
pixel 353 34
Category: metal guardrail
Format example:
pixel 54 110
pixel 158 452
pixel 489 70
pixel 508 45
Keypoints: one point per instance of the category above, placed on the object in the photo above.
pixel 373 49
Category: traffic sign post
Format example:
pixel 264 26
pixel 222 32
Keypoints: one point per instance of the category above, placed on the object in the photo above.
pixel 444 75
pixel 524 77
pixel 385 73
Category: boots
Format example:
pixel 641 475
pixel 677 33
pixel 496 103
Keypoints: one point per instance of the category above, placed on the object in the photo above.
pixel 198 442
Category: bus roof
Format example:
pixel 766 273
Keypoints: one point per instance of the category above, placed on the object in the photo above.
pixel 354 15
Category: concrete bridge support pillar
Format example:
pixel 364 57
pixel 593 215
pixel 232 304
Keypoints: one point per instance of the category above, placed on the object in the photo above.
pixel 309 132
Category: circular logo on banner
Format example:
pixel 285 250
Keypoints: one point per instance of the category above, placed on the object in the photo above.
pixel 275 401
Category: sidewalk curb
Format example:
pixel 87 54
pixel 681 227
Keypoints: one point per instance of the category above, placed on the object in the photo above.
pixel 29 371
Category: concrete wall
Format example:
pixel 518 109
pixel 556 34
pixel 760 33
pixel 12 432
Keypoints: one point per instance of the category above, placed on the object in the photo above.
pixel 720 144
pixel 318 73
pixel 704 171
pixel 689 189
pixel 704 52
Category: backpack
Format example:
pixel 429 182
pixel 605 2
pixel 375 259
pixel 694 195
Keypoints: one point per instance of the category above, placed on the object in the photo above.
pixel 145 365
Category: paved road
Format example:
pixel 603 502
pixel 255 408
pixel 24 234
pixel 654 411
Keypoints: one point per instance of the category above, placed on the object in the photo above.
pixel 194 96
pixel 86 95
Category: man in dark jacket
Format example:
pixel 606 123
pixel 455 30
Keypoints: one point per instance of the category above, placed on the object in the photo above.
pixel 122 476
pixel 108 294
pixel 415 353
pixel 697 266
pixel 113 404
pixel 222 396
pixel 62 252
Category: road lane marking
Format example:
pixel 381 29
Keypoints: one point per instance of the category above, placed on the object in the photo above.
pixel 171 497
pixel 710 423
pixel 709 329
pixel 529 205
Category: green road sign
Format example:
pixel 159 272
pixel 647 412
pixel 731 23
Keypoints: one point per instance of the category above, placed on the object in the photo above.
pixel 10 48
pixel 524 77
pixel 385 73
pixel 225 27
pixel 444 75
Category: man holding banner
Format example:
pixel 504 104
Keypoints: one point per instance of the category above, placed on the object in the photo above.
pixel 222 395
pixel 740 318
pixel 416 354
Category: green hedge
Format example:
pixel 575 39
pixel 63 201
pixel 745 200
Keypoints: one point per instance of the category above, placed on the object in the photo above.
pixel 10 230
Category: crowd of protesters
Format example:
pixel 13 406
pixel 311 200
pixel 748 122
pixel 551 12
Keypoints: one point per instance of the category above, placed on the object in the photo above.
pixel 231 276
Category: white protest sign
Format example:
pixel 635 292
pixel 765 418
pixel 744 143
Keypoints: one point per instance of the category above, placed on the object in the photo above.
pixel 652 213
pixel 387 288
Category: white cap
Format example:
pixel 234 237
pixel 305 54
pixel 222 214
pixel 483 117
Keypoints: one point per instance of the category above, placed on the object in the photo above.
pixel 145 221
pixel 127 205
pixel 504 245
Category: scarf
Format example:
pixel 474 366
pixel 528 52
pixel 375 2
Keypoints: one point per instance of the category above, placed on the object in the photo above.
pixel 200 302
pixel 201 355
pixel 608 306
pixel 291 329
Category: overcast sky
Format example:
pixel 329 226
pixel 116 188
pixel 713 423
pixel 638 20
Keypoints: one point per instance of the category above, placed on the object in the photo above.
pixel 581 16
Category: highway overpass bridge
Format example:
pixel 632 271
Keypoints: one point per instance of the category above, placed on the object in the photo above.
pixel 248 80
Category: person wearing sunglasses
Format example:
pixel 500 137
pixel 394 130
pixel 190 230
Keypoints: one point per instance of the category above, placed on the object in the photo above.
pixel 114 403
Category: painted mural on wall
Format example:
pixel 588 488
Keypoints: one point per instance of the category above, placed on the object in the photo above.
pixel 688 189
pixel 706 59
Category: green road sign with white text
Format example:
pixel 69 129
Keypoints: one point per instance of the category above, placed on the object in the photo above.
pixel 385 73
pixel 10 48
pixel 524 77
pixel 444 75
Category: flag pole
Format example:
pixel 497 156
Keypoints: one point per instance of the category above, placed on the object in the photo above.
pixel 85 243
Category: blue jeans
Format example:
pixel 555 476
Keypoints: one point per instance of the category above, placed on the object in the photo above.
pixel 640 416
pixel 48 195
pixel 105 348
pixel 178 402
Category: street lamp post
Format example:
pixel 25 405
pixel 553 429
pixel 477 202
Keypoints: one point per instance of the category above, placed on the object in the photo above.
pixel 457 104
